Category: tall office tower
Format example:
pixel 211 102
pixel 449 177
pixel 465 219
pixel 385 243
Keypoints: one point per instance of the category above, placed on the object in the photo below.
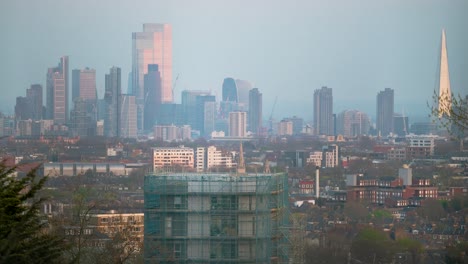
pixel 201 100
pixel 22 110
pixel 243 88
pixel 352 123
pixel 153 99
pixel 84 84
pixel 189 105
pixel 112 103
pixel 57 92
pixel 34 95
pixel 83 118
pixel 229 90
pixel 238 124
pixel 128 116
pixel 323 111
pixel 209 118
pixel 152 46
pixel 400 125
pixel 255 110
pixel 385 112
pixel 445 99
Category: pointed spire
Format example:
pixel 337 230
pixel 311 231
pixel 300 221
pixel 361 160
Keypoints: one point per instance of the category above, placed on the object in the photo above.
pixel 241 165
pixel 445 100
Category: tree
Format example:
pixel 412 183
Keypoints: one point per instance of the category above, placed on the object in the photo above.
pixel 23 238
pixel 375 241
pixel 456 119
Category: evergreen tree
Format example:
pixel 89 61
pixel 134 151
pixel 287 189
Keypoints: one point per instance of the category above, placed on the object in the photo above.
pixel 23 237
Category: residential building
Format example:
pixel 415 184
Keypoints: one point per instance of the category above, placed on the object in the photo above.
pixel 352 123
pixel 169 157
pixel 323 112
pixel 285 128
pixel 214 218
pixel 385 112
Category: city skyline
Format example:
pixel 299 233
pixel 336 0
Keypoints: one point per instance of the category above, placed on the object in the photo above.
pixel 344 56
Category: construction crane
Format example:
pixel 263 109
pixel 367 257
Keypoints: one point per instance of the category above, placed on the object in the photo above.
pixel 270 120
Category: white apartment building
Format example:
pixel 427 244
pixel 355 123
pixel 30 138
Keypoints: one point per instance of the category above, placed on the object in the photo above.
pixel 166 157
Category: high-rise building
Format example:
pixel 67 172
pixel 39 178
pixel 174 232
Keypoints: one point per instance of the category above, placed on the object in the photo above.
pixel 285 128
pixel 22 109
pixel 400 125
pixel 243 88
pixel 209 118
pixel 83 118
pixel 84 84
pixel 255 111
pixel 238 124
pixel 112 111
pixel 34 95
pixel 216 218
pixel 57 92
pixel 323 111
pixel 189 105
pixel 352 123
pixel 445 100
pixel 229 90
pixel 153 100
pixel 128 116
pixel 201 100
pixel 152 46
pixel 385 112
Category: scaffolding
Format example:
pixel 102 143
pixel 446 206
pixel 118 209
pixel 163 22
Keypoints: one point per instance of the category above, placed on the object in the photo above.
pixel 216 218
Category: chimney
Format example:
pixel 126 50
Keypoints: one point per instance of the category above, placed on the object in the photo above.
pixel 317 182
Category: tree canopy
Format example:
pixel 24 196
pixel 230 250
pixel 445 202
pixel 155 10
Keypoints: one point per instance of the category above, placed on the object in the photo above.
pixel 23 237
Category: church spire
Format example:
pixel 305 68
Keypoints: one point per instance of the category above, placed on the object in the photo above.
pixel 445 94
pixel 241 165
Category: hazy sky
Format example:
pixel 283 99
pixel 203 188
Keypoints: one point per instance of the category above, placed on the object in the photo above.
pixel 285 48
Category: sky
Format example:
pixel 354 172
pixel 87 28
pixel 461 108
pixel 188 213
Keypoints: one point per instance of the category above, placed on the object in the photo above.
pixel 287 49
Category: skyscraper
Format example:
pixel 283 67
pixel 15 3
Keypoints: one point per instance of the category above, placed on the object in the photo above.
pixel 189 105
pixel 255 110
pixel 152 46
pixel 57 92
pixel 243 88
pixel 30 107
pixel 112 106
pixel 201 100
pixel 229 90
pixel 323 111
pixel 84 84
pixel 385 112
pixel 352 123
pixel 445 94
pixel 128 114
pixel 152 101
pixel 237 124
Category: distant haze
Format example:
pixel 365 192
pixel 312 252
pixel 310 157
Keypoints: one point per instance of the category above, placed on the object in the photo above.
pixel 285 48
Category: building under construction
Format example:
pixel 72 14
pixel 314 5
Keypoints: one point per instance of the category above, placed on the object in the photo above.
pixel 216 218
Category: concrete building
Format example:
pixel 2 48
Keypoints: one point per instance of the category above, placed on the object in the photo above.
pixel 84 84
pixel 216 218
pixel 352 123
pixel 57 92
pixel 330 156
pixel 285 128
pixel 385 112
pixel 420 146
pixel 172 133
pixel 238 124
pixel 169 157
pixel 323 112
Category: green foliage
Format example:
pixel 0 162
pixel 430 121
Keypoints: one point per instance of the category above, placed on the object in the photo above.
pixel 22 235
pixel 372 240
pixel 456 120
